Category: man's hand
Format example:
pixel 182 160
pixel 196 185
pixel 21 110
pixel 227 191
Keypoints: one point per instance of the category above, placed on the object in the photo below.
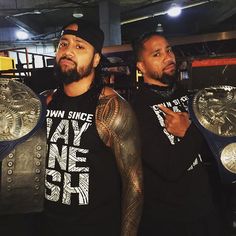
pixel 176 123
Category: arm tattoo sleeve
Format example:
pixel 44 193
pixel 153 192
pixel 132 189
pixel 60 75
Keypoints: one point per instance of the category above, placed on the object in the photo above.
pixel 118 129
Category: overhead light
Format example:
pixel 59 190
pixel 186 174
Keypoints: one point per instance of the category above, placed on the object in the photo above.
pixel 22 35
pixel 37 12
pixel 161 13
pixel 78 13
pixel 174 10
pixel 159 28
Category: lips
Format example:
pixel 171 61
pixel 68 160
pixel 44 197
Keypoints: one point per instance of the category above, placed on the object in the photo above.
pixel 170 67
pixel 66 62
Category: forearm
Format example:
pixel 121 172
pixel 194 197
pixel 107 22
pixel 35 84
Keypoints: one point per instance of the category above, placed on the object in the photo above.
pixel 132 189
pixel 127 152
pixel 131 211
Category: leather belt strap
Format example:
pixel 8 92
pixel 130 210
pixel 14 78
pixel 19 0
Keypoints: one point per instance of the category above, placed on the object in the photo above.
pixel 22 176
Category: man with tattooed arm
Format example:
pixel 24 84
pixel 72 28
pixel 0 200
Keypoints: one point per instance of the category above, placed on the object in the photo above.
pixel 93 170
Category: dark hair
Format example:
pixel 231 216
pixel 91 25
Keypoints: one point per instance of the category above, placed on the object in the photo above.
pixel 138 43
pixel 98 80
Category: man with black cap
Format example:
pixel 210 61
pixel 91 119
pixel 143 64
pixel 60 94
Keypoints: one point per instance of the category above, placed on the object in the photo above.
pixel 93 171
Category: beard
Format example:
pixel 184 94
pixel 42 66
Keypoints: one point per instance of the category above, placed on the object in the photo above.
pixel 169 79
pixel 73 74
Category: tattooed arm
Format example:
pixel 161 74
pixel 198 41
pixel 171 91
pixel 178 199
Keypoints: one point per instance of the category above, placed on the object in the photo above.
pixel 117 127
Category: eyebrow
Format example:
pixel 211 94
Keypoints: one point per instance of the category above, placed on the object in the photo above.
pixel 159 49
pixel 63 38
pixel 77 39
pixel 156 50
pixel 80 40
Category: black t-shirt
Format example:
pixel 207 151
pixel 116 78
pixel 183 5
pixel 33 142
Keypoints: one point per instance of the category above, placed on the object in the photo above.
pixel 175 180
pixel 82 181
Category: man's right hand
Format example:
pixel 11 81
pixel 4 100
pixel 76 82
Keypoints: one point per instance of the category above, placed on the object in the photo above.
pixel 176 123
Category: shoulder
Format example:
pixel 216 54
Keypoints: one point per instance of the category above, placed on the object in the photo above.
pixel 136 97
pixel 48 94
pixel 111 99
pixel 114 115
pixel 107 91
pixel 181 90
pixel 111 105
pixel 140 101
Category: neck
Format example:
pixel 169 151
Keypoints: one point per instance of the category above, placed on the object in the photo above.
pixel 154 82
pixel 79 87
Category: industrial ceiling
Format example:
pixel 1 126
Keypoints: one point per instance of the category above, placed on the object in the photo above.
pixel 43 18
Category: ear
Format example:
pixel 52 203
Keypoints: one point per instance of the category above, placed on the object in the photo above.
pixel 141 66
pixel 96 59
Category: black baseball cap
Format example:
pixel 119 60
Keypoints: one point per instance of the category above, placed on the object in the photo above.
pixel 86 31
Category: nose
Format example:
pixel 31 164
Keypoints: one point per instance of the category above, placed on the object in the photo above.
pixel 69 51
pixel 66 50
pixel 169 56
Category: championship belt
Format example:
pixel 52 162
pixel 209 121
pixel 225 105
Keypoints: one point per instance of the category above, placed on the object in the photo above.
pixel 22 148
pixel 213 110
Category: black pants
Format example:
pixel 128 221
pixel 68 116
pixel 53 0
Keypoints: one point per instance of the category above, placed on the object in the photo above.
pixel 20 224
pixel 207 226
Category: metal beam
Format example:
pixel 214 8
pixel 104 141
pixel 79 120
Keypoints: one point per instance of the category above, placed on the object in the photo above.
pixel 203 38
pixel 20 24
pixel 181 41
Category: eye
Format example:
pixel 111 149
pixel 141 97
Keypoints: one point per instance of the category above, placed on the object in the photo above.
pixel 157 54
pixel 169 50
pixel 79 46
pixel 62 44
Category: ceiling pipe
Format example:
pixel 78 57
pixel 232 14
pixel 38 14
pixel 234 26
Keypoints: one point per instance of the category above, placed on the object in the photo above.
pixel 163 12
pixel 34 12
pixel 21 25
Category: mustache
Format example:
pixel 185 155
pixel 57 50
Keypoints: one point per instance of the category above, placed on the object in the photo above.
pixel 66 58
pixel 170 62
